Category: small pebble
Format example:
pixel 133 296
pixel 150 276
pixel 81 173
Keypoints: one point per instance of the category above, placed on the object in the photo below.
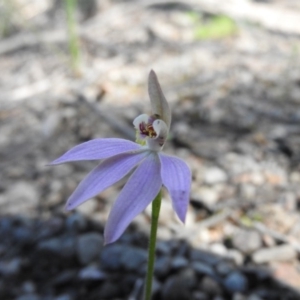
pixel 29 297
pixel 64 297
pixel 179 262
pixel 91 274
pixel 247 241
pixel 89 246
pixel 76 222
pixel 236 282
pixel 277 253
pixel 204 256
pixel 210 286
pixel 178 287
pixel 214 175
pixel 11 267
pixel 133 258
pixel 224 267
pixel 203 269
pixel 162 266
pixel 110 257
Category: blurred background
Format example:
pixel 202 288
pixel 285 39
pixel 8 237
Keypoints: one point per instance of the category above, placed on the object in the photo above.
pixel 73 71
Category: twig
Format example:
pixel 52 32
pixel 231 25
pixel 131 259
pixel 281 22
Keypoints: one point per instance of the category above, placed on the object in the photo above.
pixel 276 235
pixel 207 223
pixel 240 11
pixel 24 40
pixel 111 119
pixel 262 228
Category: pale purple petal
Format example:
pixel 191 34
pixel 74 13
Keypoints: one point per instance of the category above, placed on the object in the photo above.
pixel 97 149
pixel 161 130
pixel 176 177
pixel 106 174
pixel 144 118
pixel 159 103
pixel 139 191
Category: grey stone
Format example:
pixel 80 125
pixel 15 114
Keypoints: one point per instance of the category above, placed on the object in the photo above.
pixel 188 276
pixel 163 247
pixel 178 287
pixel 65 277
pixel 51 124
pixel 138 290
pixel 260 273
pixel 236 256
pixel 224 267
pixel 11 267
pixel 89 246
pixel 91 274
pixel 203 269
pixel 179 262
pixel 28 287
pixel 156 286
pixel 236 282
pixel 5 226
pixel 117 256
pixel 219 249
pixel 254 297
pixel 249 191
pixel 29 297
pixel 204 256
pixel 162 266
pixel 64 297
pixel 238 296
pixel 110 257
pixel 210 286
pixel 63 246
pixel 132 258
pixel 108 290
pixel 21 196
pixel 199 295
pixel 214 175
pixel 23 236
pixel 51 245
pixel 247 241
pixel 208 196
pixel 89 208
pixel 277 253
pixel 52 227
pixel 76 222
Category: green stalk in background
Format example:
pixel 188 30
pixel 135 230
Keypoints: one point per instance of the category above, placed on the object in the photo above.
pixel 152 245
pixel 70 6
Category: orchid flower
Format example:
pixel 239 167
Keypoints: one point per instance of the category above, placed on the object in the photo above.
pixel 153 169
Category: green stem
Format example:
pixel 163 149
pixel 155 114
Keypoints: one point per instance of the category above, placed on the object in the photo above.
pixel 152 243
pixel 70 6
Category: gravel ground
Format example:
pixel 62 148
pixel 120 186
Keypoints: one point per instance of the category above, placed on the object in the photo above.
pixel 235 102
